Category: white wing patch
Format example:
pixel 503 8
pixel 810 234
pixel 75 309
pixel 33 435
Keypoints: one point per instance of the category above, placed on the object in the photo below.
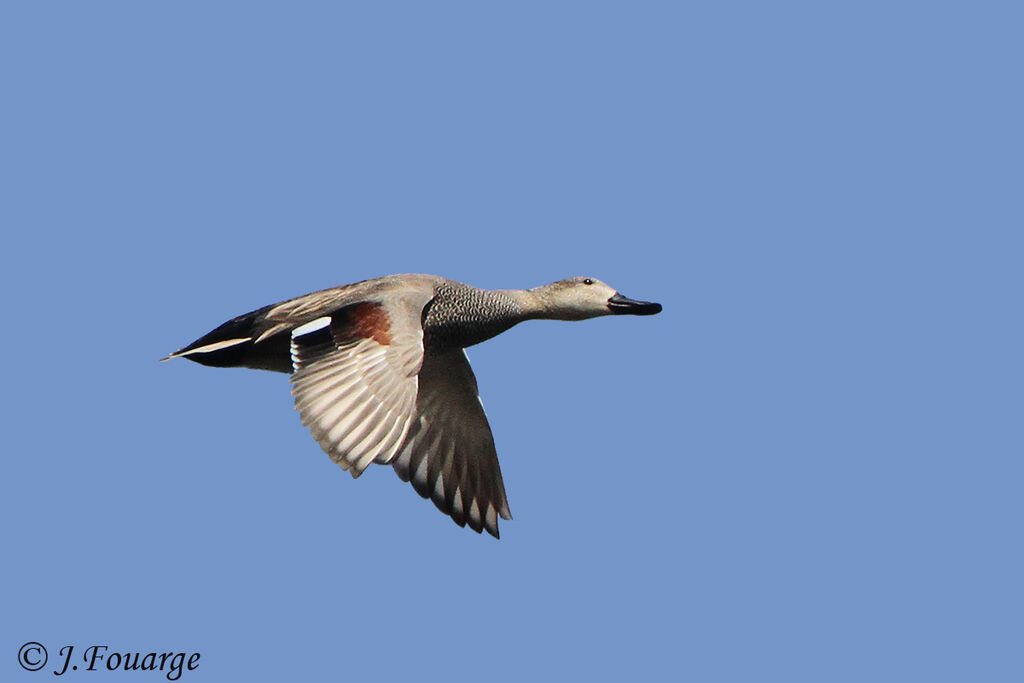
pixel 318 324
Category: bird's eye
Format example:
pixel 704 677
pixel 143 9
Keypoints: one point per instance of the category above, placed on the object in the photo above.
pixel 588 281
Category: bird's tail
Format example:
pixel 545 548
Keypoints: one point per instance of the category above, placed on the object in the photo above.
pixel 233 344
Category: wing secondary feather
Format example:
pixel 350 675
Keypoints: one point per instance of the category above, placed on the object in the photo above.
pixel 449 453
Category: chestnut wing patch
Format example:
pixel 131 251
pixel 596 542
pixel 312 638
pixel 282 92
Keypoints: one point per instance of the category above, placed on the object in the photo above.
pixel 365 320
pixel 355 382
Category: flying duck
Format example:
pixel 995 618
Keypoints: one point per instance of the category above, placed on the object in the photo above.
pixel 379 373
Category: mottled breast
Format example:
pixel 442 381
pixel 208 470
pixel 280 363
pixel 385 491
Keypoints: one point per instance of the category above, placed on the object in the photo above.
pixel 460 316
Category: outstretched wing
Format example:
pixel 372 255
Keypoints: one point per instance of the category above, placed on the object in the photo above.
pixel 449 452
pixel 355 378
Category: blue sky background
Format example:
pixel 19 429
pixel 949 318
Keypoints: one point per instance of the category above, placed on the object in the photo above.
pixel 808 468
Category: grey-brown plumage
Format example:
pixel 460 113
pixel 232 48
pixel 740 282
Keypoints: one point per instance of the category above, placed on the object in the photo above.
pixel 379 374
pixel 460 316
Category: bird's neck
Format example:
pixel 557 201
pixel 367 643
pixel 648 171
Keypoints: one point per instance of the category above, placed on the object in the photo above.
pixel 528 302
pixel 542 303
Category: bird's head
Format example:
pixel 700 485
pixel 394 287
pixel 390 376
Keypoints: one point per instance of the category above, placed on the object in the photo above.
pixel 579 298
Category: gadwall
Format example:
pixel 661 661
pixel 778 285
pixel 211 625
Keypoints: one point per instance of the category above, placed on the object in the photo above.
pixel 379 374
